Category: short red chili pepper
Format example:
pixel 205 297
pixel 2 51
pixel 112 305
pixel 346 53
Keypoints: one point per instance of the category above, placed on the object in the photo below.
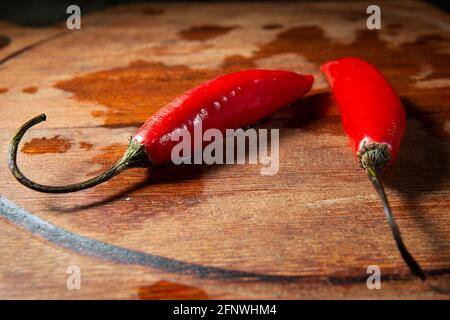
pixel 230 101
pixel 374 119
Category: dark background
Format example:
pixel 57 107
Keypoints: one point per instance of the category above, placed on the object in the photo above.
pixel 46 12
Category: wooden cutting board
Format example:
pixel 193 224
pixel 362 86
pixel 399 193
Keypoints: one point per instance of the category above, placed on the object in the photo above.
pixel 224 231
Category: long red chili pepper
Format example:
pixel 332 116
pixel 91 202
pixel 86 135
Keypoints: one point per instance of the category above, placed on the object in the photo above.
pixel 374 120
pixel 231 101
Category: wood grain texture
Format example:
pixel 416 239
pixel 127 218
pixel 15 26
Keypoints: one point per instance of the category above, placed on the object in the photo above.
pixel 317 224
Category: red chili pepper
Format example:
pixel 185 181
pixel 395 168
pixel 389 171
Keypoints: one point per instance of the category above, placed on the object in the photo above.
pixel 231 101
pixel 374 120
pixel 228 102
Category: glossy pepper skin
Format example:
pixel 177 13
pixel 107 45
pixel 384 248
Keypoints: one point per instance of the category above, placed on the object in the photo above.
pixel 230 101
pixel 372 113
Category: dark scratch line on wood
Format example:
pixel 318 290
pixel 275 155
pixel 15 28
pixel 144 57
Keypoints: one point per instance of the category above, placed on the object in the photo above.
pixel 87 246
pixel 31 46
pixel 104 251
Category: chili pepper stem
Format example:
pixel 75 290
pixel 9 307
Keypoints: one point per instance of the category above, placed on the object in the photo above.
pixel 373 158
pixel 135 156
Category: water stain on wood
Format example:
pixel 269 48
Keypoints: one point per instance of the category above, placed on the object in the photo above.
pixel 352 15
pixel 393 29
pixel 85 145
pixel 165 290
pixel 430 49
pixel 107 157
pixel 3 90
pixel 152 11
pixel 30 90
pixel 431 39
pixel 272 26
pixel 134 92
pixel 204 32
pixel 394 26
pixel 4 41
pixel 44 145
pixel 398 64
pixel 236 63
